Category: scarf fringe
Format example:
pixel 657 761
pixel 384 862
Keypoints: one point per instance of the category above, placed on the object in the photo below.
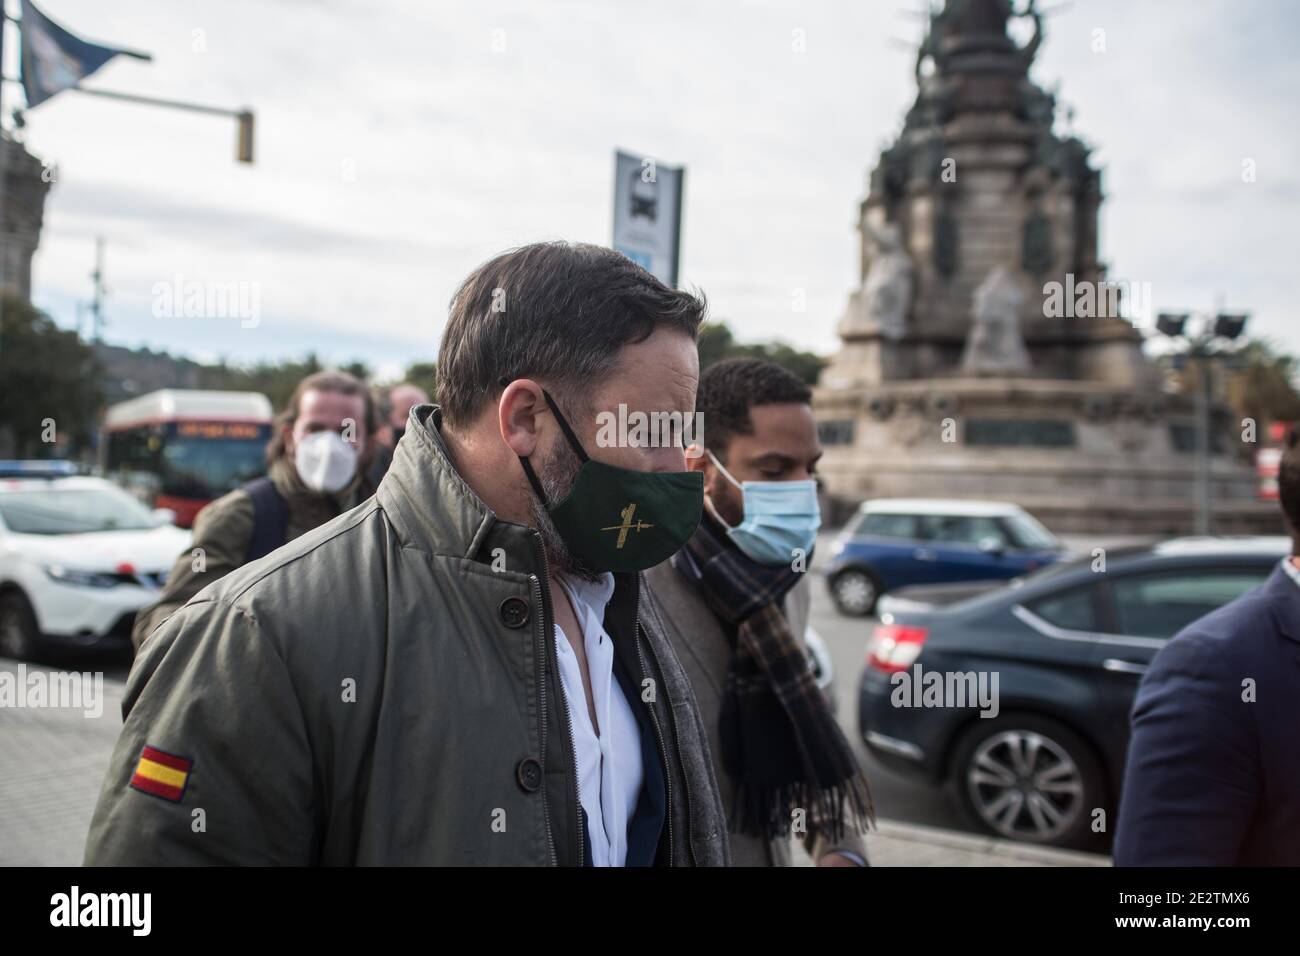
pixel 781 744
pixel 771 814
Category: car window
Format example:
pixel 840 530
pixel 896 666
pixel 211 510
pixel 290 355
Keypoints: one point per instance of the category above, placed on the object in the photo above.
pixel 1027 532
pixel 888 526
pixel 961 529
pixel 1161 605
pixel 1074 610
pixel 73 511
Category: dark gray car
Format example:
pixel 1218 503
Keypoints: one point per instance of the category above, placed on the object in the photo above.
pixel 1018 698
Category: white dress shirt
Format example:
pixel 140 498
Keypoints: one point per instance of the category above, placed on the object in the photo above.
pixel 609 763
pixel 1291 570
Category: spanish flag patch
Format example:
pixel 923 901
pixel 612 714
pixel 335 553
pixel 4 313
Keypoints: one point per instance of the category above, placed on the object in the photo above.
pixel 161 774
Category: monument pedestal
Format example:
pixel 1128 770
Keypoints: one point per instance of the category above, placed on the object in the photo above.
pixel 1081 456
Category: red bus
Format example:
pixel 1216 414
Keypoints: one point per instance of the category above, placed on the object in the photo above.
pixel 1268 459
pixel 181 448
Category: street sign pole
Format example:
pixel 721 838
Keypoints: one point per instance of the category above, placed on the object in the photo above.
pixel 1204 396
pixel 4 163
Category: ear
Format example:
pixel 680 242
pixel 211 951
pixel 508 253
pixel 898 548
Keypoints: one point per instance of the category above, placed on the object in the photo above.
pixel 713 480
pixel 519 414
pixel 286 439
pixel 696 460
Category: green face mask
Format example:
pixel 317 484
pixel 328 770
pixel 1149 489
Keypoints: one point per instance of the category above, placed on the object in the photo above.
pixel 615 519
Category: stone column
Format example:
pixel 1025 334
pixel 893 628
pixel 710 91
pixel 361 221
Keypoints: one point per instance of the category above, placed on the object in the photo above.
pixel 23 185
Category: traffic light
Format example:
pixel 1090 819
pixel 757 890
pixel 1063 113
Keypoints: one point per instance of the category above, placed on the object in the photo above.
pixel 245 154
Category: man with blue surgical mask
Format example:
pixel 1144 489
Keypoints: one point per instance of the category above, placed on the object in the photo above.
pixel 735 601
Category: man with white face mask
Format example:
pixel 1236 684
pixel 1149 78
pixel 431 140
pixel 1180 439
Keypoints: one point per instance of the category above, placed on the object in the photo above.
pixel 317 457
pixel 735 601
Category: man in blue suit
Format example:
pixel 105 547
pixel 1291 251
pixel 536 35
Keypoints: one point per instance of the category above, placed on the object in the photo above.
pixel 1213 775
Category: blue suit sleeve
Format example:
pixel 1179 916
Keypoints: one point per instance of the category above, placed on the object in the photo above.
pixel 1191 782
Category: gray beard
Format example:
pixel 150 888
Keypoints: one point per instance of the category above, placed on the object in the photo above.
pixel 556 476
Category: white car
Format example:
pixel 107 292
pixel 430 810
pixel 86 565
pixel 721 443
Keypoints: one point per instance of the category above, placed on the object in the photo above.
pixel 78 558
pixel 823 667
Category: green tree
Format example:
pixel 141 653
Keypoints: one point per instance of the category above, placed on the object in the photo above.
pixel 275 380
pixel 1256 381
pixel 358 368
pixel 425 375
pixel 1262 384
pixel 50 380
pixel 717 343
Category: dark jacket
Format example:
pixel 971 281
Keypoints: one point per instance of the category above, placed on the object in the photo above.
pixel 375 692
pixel 1214 779
pixel 704 649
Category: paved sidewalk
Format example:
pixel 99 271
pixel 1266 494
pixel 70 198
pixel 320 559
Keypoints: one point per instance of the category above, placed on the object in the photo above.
pixel 907 844
pixel 52 762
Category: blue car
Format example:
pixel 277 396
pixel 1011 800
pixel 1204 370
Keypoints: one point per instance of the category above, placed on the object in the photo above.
pixel 896 542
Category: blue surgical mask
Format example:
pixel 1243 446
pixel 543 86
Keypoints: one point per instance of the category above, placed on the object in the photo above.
pixel 781 518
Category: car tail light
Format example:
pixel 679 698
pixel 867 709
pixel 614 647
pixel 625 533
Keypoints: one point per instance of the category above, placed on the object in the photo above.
pixel 894 647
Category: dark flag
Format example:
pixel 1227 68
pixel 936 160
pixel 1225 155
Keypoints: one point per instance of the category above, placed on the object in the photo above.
pixel 53 59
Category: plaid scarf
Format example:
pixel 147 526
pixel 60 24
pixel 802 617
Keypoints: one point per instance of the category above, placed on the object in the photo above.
pixel 781 745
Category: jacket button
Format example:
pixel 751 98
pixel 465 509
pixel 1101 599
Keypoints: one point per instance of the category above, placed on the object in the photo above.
pixel 529 774
pixel 514 612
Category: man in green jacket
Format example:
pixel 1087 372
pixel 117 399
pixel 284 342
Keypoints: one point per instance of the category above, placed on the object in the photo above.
pixel 405 684
pixel 317 463
pixel 735 604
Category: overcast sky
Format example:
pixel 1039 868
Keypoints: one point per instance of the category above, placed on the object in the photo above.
pixel 399 145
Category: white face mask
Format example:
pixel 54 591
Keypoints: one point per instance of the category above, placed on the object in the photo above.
pixel 325 462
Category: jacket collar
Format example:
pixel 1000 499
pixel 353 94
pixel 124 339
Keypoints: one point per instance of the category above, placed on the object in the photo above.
pixel 1284 602
pixel 433 510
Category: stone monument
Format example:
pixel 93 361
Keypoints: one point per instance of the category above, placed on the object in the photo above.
pixel 959 373
pixel 23 185
pixel 994 345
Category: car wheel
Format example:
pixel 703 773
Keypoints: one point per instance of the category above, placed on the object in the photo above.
pixel 1028 778
pixel 855 592
pixel 18 635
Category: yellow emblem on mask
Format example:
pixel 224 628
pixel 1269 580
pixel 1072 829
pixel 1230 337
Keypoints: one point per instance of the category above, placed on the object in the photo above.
pixel 627 525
